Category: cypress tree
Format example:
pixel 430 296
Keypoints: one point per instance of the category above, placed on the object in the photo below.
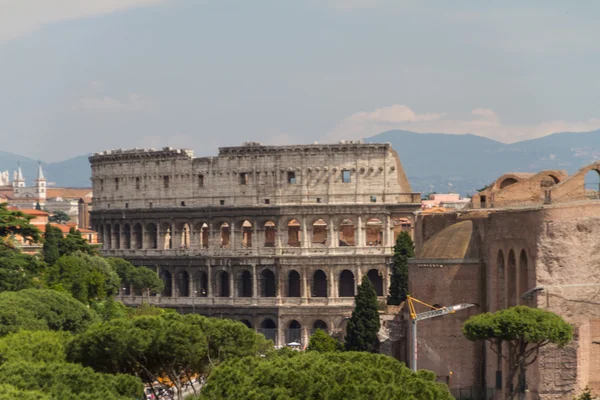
pixel 361 333
pixel 38 206
pixel 52 237
pixel 403 250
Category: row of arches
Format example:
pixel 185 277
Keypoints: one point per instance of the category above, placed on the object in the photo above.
pixel 181 284
pixel 512 278
pixel 319 232
pixel 293 330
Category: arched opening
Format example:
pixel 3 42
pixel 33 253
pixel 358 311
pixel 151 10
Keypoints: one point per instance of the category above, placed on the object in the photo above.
pixel 246 234
pixel 269 329
pixel 117 236
pixel 269 234
pixel 183 284
pixel 126 236
pixel 222 284
pixel 185 237
pixel 204 236
pixel 138 239
pixel 101 235
pixel 247 323
pixel 294 235
pixel 511 271
pixel 376 280
pixel 319 233
pixel 201 284
pixel 293 284
pixel 523 273
pixel 109 239
pixel 346 287
pixel 507 182
pixel 245 284
pixel 168 281
pixel 151 236
pixel 268 286
pixel 167 236
pixel 294 332
pixel 401 225
pixel 225 234
pixel 319 324
pixel 347 233
pixel 501 277
pixel 592 184
pixel 549 181
pixel 319 284
pixel 374 232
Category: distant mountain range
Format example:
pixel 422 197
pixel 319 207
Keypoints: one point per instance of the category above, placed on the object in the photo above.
pixel 434 162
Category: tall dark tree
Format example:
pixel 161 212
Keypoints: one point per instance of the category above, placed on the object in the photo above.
pixel 73 243
pixel 38 206
pixel 52 237
pixel 16 223
pixel 59 217
pixel 361 333
pixel 403 250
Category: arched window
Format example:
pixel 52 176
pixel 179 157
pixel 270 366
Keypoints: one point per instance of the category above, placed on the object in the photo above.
pixel 185 237
pixel 225 233
pixel 138 239
pixel 245 284
pixel 268 285
pixel 294 284
pixel 347 233
pixel 592 184
pixel 346 287
pixel 117 236
pixel 270 234
pixel 246 234
pixel 167 236
pixel 294 234
pixel 247 323
pixel 222 284
pixel 376 280
pixel 319 284
pixel 151 236
pixel 168 281
pixel 374 232
pixel 319 233
pixel 201 284
pixel 319 324
pixel 511 272
pixel 109 239
pixel 126 236
pixel 269 329
pixel 293 333
pixel 204 236
pixel 501 277
pixel 183 284
pixel 523 274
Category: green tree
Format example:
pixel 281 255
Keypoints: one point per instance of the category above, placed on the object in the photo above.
pixel 314 375
pixel 361 332
pixel 9 392
pixel 18 270
pixel 16 223
pixel 323 343
pixel 403 250
pixel 59 217
pixel 143 279
pixel 73 243
pixel 52 236
pixel 523 331
pixel 36 346
pixel 38 207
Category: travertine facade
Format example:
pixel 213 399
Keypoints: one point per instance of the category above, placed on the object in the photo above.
pixel 492 257
pixel 275 236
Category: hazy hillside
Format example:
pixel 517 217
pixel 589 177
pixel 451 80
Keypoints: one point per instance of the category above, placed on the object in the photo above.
pixel 74 172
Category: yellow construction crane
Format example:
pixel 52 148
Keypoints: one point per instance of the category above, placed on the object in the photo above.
pixel 434 312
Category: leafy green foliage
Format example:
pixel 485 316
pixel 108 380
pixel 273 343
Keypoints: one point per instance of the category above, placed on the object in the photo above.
pixel 16 223
pixel 9 392
pixel 314 375
pixel 403 250
pixel 524 330
pixel 361 332
pixel 18 270
pixel 143 279
pixel 38 346
pixel 69 381
pixel 52 236
pixel 34 309
pixel 73 242
pixel 59 217
pixel 586 395
pixel 323 343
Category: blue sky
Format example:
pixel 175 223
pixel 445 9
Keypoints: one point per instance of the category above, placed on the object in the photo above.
pixel 78 77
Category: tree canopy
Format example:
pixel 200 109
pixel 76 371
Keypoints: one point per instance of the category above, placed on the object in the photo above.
pixel 59 217
pixel 323 343
pixel 16 223
pixel 52 237
pixel 361 332
pixel 524 330
pixel 314 375
pixel 403 250
pixel 18 270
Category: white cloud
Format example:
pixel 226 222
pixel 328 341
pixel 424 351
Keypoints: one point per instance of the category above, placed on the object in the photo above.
pixel 485 122
pixel 133 102
pixel 20 17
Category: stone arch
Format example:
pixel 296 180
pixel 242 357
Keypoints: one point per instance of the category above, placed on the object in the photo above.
pixel 247 323
pixel 507 182
pixel 294 233
pixel 247 232
pixel 270 234
pixel 126 236
pixel 245 283
pixel 591 184
pixel 376 280
pixel 374 232
pixel 523 273
pixel 222 284
pixel 225 232
pixel 293 333
pixel 116 236
pixel 268 328
pixel 346 284
pixel 138 236
pixel 319 284
pixel 319 324
pixel 167 236
pixel 109 238
pixel 501 278
pixel 347 233
pixel 151 236
pixel 203 235
pixel 182 283
pixel 268 283
pixel 319 233
pixel 101 239
pixel 168 281
pixel 185 236
pixel 201 284
pixel 511 275
pixel 294 284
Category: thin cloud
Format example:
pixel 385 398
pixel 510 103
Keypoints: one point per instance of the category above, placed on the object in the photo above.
pixel 485 122
pixel 21 17
pixel 133 102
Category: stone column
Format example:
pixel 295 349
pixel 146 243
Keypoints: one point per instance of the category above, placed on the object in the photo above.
pixel 304 290
pixel 232 240
pixel 333 239
pixel 231 283
pixel 357 279
pixel 160 244
pixel 254 285
pixel 144 239
pixel 174 292
pixel 361 233
pixel 209 287
pixel 255 239
pixel 305 240
pixel 333 292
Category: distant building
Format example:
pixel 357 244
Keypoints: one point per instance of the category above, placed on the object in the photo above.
pixel 451 201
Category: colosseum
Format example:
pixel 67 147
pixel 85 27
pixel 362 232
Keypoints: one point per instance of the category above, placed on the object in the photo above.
pixel 274 236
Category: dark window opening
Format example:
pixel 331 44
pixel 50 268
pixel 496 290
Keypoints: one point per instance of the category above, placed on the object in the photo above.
pixel 126 205
pixel 116 183
pixel 373 199
pixel 318 199
pixel 346 176
pixel 137 183
pixel 183 204
pixel 291 177
pixel 243 178
pixel 101 184
pixel 150 205
pixel 200 180
pixel 267 201
pixel 483 199
pixel 222 202
pixel 166 182
pixel 108 205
